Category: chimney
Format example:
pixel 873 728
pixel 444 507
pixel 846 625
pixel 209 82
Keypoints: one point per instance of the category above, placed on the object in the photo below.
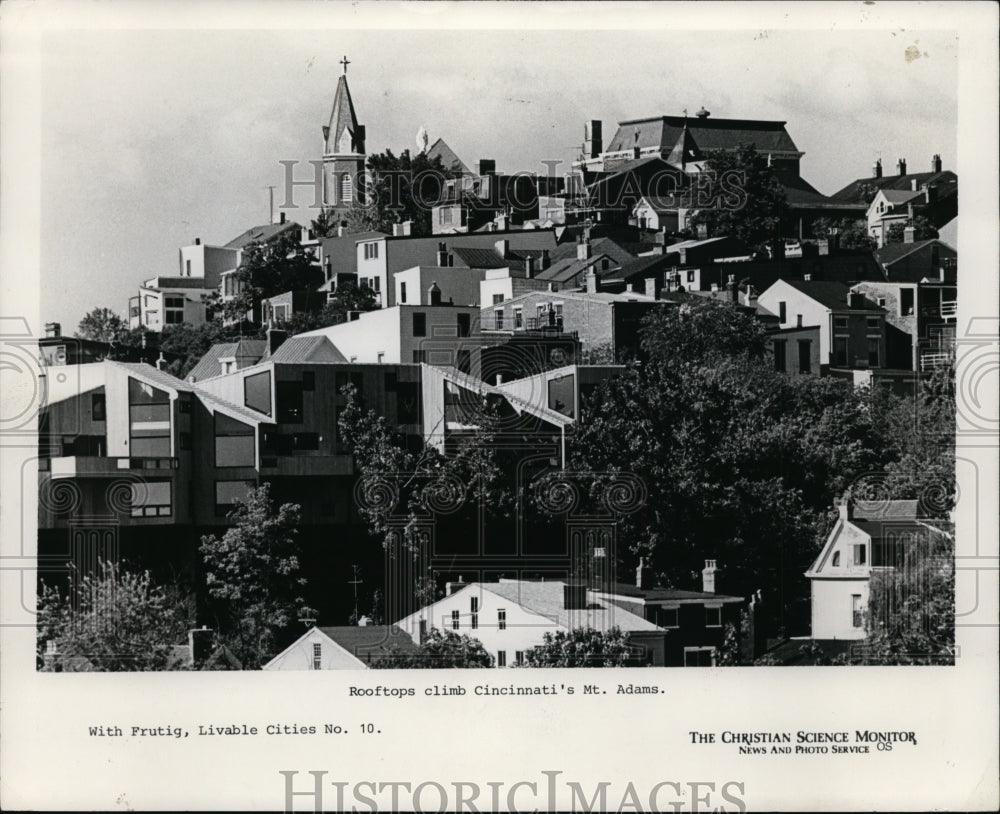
pixel 643 575
pixel 502 247
pixel 434 294
pixel 652 289
pixel 583 249
pixel 635 151
pixel 281 218
pixel 703 114
pixel 575 596
pixel 936 163
pixel 846 508
pixel 877 169
pixel 397 229
pixel 529 267
pixel 908 234
pixel 807 277
pixel 901 167
pixel 406 228
pixel 452 587
pixel 442 255
pixel 708 577
pixel 630 288
pixel 161 362
pixel 930 193
pixel 855 299
pixel 499 379
pixel 591 281
pixel 914 186
pixel 275 338
pixel 487 166
pixel 543 263
pixel 340 230
pixel 200 645
pixel 197 241
pixel 593 142
pixel 53 329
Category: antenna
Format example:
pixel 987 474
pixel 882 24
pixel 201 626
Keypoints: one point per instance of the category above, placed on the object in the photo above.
pixel 270 202
pixel 355 582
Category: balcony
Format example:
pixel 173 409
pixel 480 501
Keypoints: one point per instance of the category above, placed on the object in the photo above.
pixel 542 324
pixel 934 359
pixel 949 309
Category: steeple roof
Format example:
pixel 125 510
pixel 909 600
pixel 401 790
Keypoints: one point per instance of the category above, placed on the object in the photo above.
pixel 685 149
pixel 343 134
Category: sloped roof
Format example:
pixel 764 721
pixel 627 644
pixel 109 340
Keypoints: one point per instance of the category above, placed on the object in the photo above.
pixel 599 245
pixel 548 599
pixel 260 234
pixel 663 132
pixel 685 149
pixel 478 258
pixel 209 366
pixel 946 182
pixel 829 293
pixel 799 193
pixel 639 267
pixel 342 117
pixel 363 641
pixel 440 149
pixel 668 594
pixel 303 349
pixel 217 403
pixel 153 375
pixel 569 267
pixel 892 252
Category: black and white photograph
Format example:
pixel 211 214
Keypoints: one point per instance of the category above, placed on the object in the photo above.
pixel 342 344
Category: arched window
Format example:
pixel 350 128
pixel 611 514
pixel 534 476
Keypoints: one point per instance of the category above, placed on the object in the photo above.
pixel 346 188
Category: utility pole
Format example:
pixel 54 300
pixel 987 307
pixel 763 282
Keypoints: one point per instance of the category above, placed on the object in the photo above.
pixel 355 582
pixel 270 201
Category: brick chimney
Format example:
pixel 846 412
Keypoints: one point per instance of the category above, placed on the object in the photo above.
pixel 487 166
pixel 901 166
pixel 574 596
pixel 930 193
pixel 200 645
pixel 877 169
pixel 529 267
pixel 583 249
pixel 643 575
pixel 908 234
pixel 652 289
pixel 451 587
pixel 197 241
pixel 936 163
pixel 433 294
pixel 53 330
pixel 502 247
pixel 275 338
pixel 442 255
pixel 708 577
pixel 281 218
pixel 592 284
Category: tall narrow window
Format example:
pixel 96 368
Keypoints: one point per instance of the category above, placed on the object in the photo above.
pixel 501 658
pixel 501 619
pixel 873 354
pixel 346 188
pixel 805 356
pixel 857 615
pixel 779 355
pixel 317 656
pixel 402 292
pixel 782 312
pixel 840 351
pixel 420 324
pixel 149 420
pixel 455 619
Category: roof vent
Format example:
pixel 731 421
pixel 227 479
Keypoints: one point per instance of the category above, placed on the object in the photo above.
pixel 703 114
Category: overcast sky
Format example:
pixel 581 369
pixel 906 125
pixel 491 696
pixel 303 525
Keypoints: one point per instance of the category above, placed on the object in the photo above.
pixel 153 138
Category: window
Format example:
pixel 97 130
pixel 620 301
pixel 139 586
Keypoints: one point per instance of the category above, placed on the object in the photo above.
pixel 690 276
pixel 881 302
pixel 346 189
pixel 185 439
pixel 455 619
pixel 713 617
pixel 419 356
pixel 317 656
pixel 779 355
pixel 860 554
pixel 257 392
pixel 874 324
pixel 227 492
pixel 173 302
pixel 669 617
pixel 371 251
pixel 402 292
pixel 840 351
pixel 174 317
pixel 234 442
pixel 474 621
pixel 518 318
pixel 805 356
pixel 836 559
pixel 378 284
pixel 380 357
pixel 873 355
pixel 562 394
pixel 905 302
pixel 840 323
pixel 463 324
pixel 518 657
pixel 151 499
pixel 501 658
pixel 420 324
pixel 857 615
pixel 497 299
pixel 474 604
pixel 149 420
pixel 699 656
pixel 501 619
pixel 498 318
pixel 782 312
pixel 187 268
pixel 289 402
pixel 98 407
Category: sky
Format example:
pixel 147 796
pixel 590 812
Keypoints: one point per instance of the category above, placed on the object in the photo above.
pixel 151 138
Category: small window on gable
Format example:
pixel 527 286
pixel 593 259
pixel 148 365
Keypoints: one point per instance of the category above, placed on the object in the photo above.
pixel 836 559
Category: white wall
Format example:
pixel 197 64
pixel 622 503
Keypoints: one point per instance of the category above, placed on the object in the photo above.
pixel 375 267
pixel 813 313
pixel 489 287
pixel 299 656
pixel 373 333
pixel 831 608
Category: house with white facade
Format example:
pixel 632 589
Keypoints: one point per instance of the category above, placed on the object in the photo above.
pixel 348 647
pixel 511 617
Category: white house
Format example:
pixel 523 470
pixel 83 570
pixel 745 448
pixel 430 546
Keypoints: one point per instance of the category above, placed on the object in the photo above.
pixel 341 648
pixel 867 536
pixel 511 617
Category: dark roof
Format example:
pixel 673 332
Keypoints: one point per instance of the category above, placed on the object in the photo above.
pixel 440 149
pixel 599 245
pixel 946 182
pixel 209 365
pixel 566 269
pixel 892 252
pixel 260 234
pixel 799 193
pixel 405 252
pixel 640 267
pixel 342 117
pixel 830 294
pixel 887 509
pixel 363 641
pixel 709 134
pixel 311 349
pixel 476 258
pixel 666 594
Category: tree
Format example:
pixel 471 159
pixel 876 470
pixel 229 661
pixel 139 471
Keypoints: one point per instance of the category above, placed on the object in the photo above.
pixel 191 342
pixel 348 297
pixel 910 617
pixel 750 204
pixel 852 234
pixel 102 325
pixel 401 188
pixel 581 647
pixel 113 620
pixel 437 651
pixel 253 574
pixel 923 229
pixel 269 268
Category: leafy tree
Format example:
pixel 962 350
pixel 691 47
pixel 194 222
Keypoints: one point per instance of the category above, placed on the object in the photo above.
pixel 853 234
pixel 113 620
pixel 102 325
pixel 253 574
pixel 273 267
pixel 911 608
pixel 348 297
pixel 438 650
pixel 191 342
pixel 581 647
pixel 401 188
pixel 750 204
pixel 923 229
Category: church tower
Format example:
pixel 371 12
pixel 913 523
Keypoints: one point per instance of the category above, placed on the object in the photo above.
pixel 343 152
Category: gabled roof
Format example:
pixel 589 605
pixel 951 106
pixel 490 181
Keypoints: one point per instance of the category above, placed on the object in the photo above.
pixel 566 269
pixel 209 366
pixel 829 293
pixel 668 594
pixel 363 641
pixel 548 599
pixel 709 134
pixel 153 376
pixel 260 234
pixel 946 182
pixel 599 245
pixel 218 404
pixel 893 252
pixel 307 349
pixel 640 267
pixel 799 193
pixel 898 196
pixel 342 117
pixel 685 149
pixel 450 161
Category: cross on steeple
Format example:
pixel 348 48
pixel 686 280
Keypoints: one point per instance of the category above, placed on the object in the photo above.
pixel 345 62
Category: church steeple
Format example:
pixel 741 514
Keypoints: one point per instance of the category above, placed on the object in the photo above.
pixel 343 150
pixel 685 149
